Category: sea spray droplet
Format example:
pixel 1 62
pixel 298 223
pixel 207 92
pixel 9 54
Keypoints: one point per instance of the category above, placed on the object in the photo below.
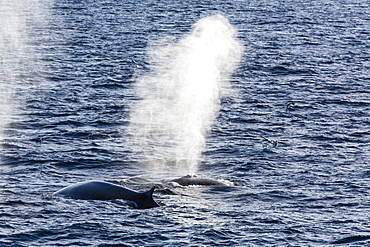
pixel 179 97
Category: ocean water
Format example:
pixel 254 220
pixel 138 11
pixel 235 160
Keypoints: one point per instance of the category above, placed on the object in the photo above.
pixel 291 130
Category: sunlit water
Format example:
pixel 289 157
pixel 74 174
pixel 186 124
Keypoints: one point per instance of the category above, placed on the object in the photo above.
pixel 291 132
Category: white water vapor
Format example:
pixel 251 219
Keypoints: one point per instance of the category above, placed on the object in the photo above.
pixel 180 96
pixel 18 60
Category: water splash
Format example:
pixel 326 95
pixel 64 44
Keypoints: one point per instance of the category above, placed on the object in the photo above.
pixel 180 96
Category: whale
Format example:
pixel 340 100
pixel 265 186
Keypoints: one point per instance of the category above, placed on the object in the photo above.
pixel 194 180
pixel 99 190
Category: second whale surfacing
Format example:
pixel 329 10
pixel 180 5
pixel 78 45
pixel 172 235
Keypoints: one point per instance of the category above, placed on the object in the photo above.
pixel 98 190
pixel 194 180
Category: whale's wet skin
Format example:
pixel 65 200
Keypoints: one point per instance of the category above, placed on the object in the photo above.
pixel 194 180
pixel 290 126
pixel 98 190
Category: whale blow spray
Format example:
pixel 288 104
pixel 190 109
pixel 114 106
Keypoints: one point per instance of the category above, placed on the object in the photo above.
pixel 180 96
pixel 19 64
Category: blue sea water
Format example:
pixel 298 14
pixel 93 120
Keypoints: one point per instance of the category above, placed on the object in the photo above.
pixel 67 82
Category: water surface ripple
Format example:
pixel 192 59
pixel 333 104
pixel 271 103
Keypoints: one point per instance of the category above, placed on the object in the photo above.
pixel 293 136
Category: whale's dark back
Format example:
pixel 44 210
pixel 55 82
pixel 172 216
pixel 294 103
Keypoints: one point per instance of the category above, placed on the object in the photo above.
pixel 98 190
pixel 193 180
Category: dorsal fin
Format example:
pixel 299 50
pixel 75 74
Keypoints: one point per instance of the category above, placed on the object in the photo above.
pixel 150 192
